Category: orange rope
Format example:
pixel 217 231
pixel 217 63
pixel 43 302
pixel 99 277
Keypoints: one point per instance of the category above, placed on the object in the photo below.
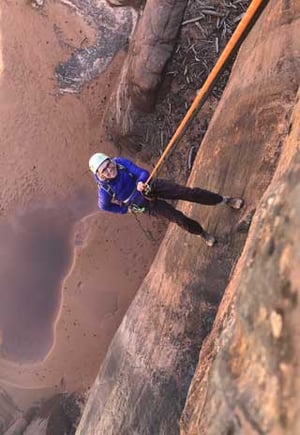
pixel 232 43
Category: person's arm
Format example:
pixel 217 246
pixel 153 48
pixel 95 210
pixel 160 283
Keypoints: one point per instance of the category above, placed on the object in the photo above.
pixel 140 174
pixel 105 203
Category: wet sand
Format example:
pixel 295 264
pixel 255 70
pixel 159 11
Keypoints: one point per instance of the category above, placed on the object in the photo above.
pixel 37 250
pixel 68 272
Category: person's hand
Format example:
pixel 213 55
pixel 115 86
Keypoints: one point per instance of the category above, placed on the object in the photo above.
pixel 141 186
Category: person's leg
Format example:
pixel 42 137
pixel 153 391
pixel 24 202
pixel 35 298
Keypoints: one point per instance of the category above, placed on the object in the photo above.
pixel 158 207
pixel 167 189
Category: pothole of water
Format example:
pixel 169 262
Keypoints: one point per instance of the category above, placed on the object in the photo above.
pixel 36 252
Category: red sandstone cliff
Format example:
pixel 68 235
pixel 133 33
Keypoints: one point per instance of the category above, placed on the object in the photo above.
pixel 247 378
pixel 144 379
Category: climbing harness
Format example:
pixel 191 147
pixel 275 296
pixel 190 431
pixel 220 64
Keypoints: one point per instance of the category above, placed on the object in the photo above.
pixel 136 209
pixel 253 10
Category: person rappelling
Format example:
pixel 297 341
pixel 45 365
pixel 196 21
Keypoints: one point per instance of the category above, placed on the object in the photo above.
pixel 123 187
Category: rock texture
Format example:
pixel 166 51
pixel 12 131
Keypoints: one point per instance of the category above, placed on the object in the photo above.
pixel 112 29
pixel 143 382
pixel 247 380
pixel 134 3
pixel 58 415
pixel 151 48
pixel 9 412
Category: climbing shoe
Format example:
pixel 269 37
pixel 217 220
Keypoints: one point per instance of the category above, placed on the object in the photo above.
pixel 236 203
pixel 209 240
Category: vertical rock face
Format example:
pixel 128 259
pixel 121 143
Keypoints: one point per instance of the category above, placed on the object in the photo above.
pixel 143 382
pixel 247 380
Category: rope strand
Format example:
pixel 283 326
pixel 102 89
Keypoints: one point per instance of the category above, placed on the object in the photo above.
pixel 233 42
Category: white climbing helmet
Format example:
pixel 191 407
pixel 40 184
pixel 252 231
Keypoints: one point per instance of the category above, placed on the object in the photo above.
pixel 96 160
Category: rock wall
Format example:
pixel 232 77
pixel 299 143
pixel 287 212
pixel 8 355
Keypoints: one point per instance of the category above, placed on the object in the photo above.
pixel 144 379
pixel 247 379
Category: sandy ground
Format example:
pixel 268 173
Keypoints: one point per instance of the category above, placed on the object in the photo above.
pixel 67 272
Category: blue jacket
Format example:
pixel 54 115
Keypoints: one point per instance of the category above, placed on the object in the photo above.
pixel 122 187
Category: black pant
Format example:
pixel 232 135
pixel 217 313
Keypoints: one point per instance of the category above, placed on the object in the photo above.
pixel 168 190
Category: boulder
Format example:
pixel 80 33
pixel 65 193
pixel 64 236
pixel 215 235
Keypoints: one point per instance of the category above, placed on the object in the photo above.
pixel 151 47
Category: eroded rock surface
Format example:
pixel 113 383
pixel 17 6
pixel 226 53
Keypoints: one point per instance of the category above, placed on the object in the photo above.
pixel 143 382
pixel 134 3
pixel 58 415
pixel 112 26
pixel 247 380
pixel 9 411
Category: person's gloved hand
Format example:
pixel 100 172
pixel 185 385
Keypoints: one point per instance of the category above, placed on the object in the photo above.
pixel 141 186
